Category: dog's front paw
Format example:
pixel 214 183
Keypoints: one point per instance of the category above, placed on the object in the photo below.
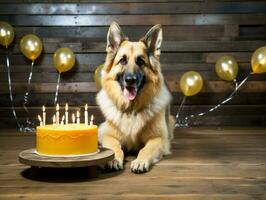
pixel 115 165
pixel 140 166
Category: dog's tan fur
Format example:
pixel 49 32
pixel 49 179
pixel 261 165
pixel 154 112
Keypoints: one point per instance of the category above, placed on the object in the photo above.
pixel 144 124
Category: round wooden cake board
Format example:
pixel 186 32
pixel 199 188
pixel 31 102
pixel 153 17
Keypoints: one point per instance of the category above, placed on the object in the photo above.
pixel 35 160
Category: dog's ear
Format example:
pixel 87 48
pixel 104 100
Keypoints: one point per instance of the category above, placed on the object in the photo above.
pixel 114 37
pixel 153 40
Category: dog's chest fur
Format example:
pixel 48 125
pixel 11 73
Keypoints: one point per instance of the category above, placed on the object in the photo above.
pixel 130 124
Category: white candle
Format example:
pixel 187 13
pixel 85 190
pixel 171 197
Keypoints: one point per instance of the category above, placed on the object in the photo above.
pixel 57 114
pixel 78 119
pixel 54 120
pixel 91 122
pixel 62 120
pixel 66 113
pixel 44 115
pixel 86 115
pixel 73 118
pixel 40 120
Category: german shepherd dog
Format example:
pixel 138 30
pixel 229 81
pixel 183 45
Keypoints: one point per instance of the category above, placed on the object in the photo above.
pixel 134 100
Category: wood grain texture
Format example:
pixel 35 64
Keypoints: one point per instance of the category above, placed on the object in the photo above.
pixel 105 20
pixel 81 45
pixel 206 163
pixel 171 33
pixel 95 59
pixel 196 33
pixel 133 8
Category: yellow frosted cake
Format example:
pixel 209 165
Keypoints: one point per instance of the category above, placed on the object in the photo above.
pixel 67 140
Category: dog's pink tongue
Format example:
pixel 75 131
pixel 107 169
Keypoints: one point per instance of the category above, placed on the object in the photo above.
pixel 130 93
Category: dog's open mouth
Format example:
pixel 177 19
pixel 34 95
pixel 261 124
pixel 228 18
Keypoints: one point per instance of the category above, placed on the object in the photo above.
pixel 130 92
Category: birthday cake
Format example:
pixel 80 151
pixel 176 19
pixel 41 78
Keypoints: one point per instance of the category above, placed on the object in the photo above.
pixel 66 139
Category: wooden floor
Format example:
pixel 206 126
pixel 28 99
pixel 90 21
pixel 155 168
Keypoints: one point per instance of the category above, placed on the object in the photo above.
pixel 207 163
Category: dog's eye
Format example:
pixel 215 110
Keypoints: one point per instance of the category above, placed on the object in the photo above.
pixel 140 62
pixel 123 60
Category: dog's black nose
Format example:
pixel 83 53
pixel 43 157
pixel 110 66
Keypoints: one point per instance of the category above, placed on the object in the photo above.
pixel 130 78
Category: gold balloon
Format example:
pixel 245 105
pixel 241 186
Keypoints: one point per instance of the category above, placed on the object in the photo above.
pixel 31 46
pixel 191 83
pixel 226 68
pixel 258 61
pixel 64 59
pixel 6 34
pixel 98 74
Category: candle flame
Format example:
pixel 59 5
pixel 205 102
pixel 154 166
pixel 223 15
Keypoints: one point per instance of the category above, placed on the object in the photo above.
pixel 39 118
pixel 78 115
pixel 86 107
pixel 57 107
pixel 43 108
pixel 66 107
pixel 63 118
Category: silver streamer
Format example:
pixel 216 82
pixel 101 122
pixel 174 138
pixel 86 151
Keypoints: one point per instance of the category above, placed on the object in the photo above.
pixel 29 126
pixel 179 122
pixel 26 95
pixel 184 122
pixel 10 92
pixel 57 88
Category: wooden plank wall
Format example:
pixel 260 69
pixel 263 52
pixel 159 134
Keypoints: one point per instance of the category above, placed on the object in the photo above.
pixel 196 33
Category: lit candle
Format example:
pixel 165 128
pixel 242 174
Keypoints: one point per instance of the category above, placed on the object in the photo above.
pixel 57 114
pixel 62 120
pixel 91 122
pixel 66 113
pixel 43 115
pixel 40 120
pixel 54 120
pixel 78 119
pixel 86 115
pixel 73 118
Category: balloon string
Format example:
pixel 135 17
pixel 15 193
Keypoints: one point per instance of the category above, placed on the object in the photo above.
pixel 10 91
pixel 57 88
pixel 29 126
pixel 181 107
pixel 26 95
pixel 230 97
pixel 179 122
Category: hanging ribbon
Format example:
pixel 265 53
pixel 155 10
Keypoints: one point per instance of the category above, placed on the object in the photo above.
pixel 184 122
pixel 29 126
pixel 57 88
pixel 179 122
pixel 28 88
pixel 10 92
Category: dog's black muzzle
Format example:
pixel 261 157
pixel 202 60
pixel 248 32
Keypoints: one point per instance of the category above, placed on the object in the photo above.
pixel 131 79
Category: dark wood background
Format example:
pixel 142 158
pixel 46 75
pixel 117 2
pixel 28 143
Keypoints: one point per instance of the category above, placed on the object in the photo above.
pixel 196 33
